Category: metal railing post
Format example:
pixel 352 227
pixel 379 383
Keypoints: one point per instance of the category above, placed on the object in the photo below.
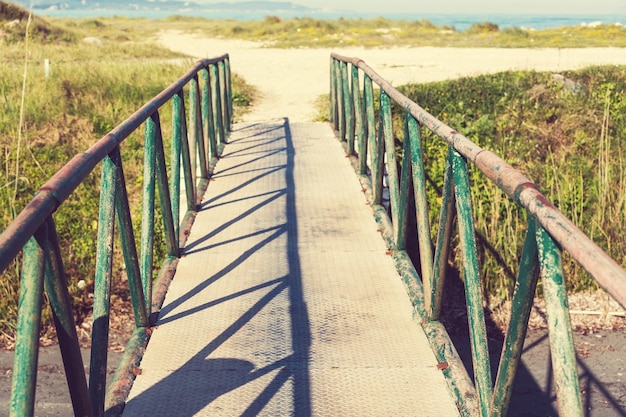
pixel 147 216
pixel 183 137
pixel 228 91
pixel 332 98
pixel 175 163
pixel 196 121
pixel 359 121
pixel 164 193
pixel 348 125
pixel 521 305
pixel 129 247
pixel 390 154
pixel 559 326
pixel 415 153
pixel 473 288
pixel 224 102
pixel 102 288
pixel 207 114
pixel 217 104
pixel 24 380
pixel 433 300
pixel 56 287
pixel 372 143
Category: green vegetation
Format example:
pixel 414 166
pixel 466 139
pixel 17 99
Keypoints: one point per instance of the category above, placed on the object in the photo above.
pixel 92 87
pixel 13 21
pixel 380 32
pixel 306 32
pixel 565 132
pixel 567 140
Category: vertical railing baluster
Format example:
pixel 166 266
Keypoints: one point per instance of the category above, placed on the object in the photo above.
pixel 129 248
pixel 421 202
pixel 164 193
pixel 224 99
pixel 406 184
pixel 360 123
pixel 196 121
pixel 370 128
pixel 207 113
pixel 522 302
pixel 351 128
pixel 390 153
pixel 348 133
pixel 217 105
pixel 333 95
pixel 433 300
pixel 24 380
pixel 378 171
pixel 229 94
pixel 102 287
pixel 337 96
pixel 473 288
pixel 188 173
pixel 147 216
pixel 342 101
pixel 63 315
pixel 559 326
pixel 175 162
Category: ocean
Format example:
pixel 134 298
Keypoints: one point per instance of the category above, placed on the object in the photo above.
pixel 460 22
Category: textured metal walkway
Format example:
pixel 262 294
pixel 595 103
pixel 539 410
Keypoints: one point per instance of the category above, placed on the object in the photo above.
pixel 286 303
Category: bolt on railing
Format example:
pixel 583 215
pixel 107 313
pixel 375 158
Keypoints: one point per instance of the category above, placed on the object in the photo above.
pixel 198 134
pixel 370 141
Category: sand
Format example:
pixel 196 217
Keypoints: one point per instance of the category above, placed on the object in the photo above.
pixel 290 80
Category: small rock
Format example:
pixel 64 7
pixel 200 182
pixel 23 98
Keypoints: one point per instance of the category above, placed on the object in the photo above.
pixel 12 24
pixel 92 40
pixel 568 83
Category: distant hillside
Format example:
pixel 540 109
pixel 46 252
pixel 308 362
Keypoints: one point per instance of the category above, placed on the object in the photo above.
pixel 268 6
pixel 13 21
pixel 10 12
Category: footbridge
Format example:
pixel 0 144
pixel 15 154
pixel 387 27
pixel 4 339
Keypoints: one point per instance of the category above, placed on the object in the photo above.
pixel 288 286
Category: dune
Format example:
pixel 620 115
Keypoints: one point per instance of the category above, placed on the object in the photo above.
pixel 290 80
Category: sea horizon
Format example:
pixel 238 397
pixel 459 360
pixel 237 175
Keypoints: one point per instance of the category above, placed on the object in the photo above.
pixel 460 21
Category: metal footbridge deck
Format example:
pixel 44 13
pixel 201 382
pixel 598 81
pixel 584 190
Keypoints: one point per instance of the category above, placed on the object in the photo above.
pixel 286 302
pixel 279 268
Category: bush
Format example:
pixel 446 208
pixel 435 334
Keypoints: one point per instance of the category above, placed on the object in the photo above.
pixel 485 27
pixel 569 142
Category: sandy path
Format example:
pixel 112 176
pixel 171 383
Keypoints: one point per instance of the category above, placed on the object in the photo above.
pixel 290 80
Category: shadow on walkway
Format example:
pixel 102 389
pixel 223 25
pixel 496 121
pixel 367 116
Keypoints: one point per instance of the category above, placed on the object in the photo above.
pixel 218 376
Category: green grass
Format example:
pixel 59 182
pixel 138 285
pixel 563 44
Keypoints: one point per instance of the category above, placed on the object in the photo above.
pixel 91 89
pixel 570 143
pixel 312 33
pixel 380 32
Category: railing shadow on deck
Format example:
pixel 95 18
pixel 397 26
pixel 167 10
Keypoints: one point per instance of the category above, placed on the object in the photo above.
pixel 369 140
pixel 228 374
pixel 201 108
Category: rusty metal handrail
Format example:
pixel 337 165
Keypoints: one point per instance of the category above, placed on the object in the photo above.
pixel 353 117
pixel 198 134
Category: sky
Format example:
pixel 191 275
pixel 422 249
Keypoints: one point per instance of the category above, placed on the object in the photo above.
pixel 464 6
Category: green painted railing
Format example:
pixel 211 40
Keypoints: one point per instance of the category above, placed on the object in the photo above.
pixel 198 135
pixel 370 142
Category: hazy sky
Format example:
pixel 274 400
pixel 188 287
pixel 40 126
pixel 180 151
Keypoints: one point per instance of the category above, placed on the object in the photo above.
pixel 465 6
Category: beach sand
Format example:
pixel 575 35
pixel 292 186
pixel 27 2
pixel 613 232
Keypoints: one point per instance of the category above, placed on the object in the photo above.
pixel 290 80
